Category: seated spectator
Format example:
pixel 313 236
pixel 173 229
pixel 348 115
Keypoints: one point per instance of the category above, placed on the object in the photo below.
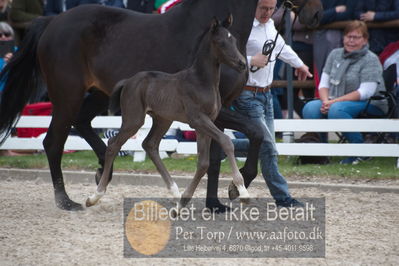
pixel 302 44
pixel 22 13
pixel 159 3
pixel 4 9
pixel 389 56
pixel 55 7
pixel 144 6
pixel 115 3
pixel 7 47
pixel 6 37
pixel 352 75
pixel 381 10
pixel 337 10
pixel 166 5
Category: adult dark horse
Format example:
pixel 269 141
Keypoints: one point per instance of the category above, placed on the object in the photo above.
pixel 91 48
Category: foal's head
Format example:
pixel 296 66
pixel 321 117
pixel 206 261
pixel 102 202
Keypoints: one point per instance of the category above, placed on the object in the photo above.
pixel 224 44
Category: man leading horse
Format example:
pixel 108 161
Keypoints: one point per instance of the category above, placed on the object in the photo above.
pixel 256 101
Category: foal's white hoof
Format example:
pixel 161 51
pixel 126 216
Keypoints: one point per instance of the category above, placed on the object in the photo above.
pixel 174 190
pixel 94 199
pixel 244 195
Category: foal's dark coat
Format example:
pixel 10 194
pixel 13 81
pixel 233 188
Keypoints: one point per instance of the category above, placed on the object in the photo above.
pixel 190 96
pixel 93 47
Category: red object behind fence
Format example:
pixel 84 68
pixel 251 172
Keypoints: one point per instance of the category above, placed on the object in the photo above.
pixel 41 108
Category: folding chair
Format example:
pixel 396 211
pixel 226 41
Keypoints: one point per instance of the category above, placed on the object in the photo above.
pixel 389 76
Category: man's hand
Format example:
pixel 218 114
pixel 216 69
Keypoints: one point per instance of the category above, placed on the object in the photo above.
pixel 7 57
pixel 368 16
pixel 259 60
pixel 303 72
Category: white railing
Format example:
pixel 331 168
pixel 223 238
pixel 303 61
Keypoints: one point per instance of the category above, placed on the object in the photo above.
pixel 282 125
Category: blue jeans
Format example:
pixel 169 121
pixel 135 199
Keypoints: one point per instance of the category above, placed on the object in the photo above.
pixel 259 109
pixel 340 110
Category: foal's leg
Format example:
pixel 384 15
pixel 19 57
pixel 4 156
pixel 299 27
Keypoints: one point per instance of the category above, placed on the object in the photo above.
pixel 237 121
pixel 129 128
pixel 151 145
pixel 204 125
pixel 203 146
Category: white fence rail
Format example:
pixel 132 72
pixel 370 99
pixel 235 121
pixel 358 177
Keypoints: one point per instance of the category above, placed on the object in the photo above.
pixel 283 125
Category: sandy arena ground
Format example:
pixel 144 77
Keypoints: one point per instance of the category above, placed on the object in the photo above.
pixel 361 228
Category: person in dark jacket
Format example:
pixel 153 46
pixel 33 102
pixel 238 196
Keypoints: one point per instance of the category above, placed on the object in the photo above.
pixel 4 9
pixel 143 6
pixel 55 7
pixel 22 13
pixel 381 10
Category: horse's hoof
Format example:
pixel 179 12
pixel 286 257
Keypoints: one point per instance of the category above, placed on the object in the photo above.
pixel 245 200
pixel 244 195
pixel 65 203
pixel 94 198
pixel 99 173
pixel 174 190
pixel 233 191
pixel 174 213
pixel 214 205
pixel 89 203
pixel 184 202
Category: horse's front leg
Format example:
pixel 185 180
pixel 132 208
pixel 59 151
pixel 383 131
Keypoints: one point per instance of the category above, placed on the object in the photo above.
pixel 203 146
pixel 204 125
pixel 128 129
pixel 212 201
pixel 151 146
pixel 237 121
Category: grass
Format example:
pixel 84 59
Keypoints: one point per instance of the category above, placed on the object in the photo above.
pixel 383 168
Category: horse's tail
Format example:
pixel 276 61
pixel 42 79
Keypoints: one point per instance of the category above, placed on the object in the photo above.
pixel 21 77
pixel 115 100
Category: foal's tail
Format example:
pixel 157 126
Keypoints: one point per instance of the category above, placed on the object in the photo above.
pixel 21 77
pixel 115 100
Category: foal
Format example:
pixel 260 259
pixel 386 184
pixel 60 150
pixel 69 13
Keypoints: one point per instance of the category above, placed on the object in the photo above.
pixel 190 96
